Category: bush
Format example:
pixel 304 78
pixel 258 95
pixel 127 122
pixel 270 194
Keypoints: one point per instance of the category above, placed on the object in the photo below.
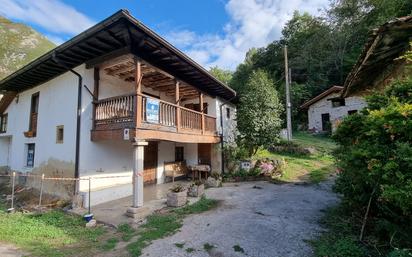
pixel 375 159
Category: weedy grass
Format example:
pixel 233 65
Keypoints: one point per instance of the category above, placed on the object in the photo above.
pixel 162 225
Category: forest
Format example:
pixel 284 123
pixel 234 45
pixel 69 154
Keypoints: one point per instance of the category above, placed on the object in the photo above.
pixel 321 49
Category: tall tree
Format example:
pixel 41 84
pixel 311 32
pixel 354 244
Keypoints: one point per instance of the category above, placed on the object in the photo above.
pixel 223 75
pixel 258 114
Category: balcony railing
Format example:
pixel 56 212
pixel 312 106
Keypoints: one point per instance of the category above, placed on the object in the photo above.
pixel 120 112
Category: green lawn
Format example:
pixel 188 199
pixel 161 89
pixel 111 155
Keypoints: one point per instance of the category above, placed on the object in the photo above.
pixel 54 233
pixel 299 167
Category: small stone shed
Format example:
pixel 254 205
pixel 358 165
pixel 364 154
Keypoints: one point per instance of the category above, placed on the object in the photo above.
pixel 327 109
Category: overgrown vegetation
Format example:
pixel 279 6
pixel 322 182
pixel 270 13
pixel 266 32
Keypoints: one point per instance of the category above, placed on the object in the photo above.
pixel 374 156
pixel 162 225
pixel 52 233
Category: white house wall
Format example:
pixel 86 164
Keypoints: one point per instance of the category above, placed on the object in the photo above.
pixel 324 105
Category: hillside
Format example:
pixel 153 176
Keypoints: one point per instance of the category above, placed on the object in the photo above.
pixel 19 44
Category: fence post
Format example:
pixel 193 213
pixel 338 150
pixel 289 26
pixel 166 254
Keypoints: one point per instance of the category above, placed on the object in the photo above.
pixel 41 188
pixel 90 182
pixel 12 191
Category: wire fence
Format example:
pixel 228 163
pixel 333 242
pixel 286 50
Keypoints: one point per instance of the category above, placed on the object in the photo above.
pixel 39 182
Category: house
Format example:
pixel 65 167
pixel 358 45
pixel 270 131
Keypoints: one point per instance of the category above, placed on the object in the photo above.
pixel 116 100
pixel 328 108
pixel 380 63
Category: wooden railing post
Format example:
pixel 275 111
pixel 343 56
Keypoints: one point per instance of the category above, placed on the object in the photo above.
pixel 178 110
pixel 202 125
pixel 138 81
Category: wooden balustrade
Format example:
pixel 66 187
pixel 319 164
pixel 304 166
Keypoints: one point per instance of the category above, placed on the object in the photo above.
pixel 210 124
pixel 114 111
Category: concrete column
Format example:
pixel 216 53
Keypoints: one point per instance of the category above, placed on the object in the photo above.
pixel 138 158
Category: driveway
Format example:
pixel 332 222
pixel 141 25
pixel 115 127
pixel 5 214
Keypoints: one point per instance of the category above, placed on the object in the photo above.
pixel 259 218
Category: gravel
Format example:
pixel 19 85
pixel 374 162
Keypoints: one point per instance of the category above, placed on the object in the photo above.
pixel 263 219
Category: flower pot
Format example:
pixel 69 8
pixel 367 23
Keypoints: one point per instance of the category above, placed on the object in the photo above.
pixel 196 191
pixel 88 217
pixel 177 199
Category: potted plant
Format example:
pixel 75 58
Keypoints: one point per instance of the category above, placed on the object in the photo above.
pixel 196 189
pixel 177 196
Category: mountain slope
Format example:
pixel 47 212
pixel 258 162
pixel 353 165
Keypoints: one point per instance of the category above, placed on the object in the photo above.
pixel 19 44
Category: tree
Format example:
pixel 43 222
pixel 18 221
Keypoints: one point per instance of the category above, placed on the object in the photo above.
pixel 224 76
pixel 258 114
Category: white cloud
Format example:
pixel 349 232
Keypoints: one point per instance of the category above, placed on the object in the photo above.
pixel 253 23
pixel 55 39
pixel 53 15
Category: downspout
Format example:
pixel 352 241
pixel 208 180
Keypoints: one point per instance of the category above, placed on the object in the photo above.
pixel 221 133
pixel 78 120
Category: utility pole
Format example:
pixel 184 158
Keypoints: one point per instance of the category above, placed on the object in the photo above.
pixel 288 104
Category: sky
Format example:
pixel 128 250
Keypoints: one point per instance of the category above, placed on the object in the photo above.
pixel 212 32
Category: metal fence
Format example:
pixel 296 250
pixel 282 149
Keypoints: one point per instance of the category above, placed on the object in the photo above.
pixel 40 180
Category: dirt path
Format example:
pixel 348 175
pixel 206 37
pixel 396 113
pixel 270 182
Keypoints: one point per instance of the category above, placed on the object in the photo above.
pixel 260 219
pixel 7 250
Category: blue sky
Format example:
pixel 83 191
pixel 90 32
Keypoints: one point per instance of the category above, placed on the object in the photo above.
pixel 212 32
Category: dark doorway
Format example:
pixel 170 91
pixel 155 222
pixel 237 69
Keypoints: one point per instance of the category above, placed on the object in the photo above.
pixel 326 125
pixel 150 163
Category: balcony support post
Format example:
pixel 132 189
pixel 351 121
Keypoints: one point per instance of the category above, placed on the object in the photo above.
pixel 177 94
pixel 202 125
pixel 95 94
pixel 139 100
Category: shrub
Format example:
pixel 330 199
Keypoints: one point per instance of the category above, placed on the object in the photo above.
pixel 375 159
pixel 177 188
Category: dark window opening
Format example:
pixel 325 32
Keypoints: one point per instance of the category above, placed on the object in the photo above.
pixel 179 154
pixel 228 112
pixel 3 123
pixel 352 112
pixel 59 134
pixel 34 109
pixel 196 107
pixel 337 102
pixel 30 155
pixel 326 124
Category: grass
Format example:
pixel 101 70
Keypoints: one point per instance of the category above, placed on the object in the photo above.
pixel 162 225
pixel 208 247
pixel 312 168
pixel 179 245
pixel 126 231
pixel 190 250
pixel 49 234
pixel 110 244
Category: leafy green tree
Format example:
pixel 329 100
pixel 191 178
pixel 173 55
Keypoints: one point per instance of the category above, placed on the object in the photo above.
pixel 223 75
pixel 258 114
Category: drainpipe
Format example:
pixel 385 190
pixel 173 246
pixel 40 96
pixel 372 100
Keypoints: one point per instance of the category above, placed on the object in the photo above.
pixel 78 121
pixel 221 133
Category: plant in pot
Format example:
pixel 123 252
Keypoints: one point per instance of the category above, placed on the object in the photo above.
pixel 177 196
pixel 196 189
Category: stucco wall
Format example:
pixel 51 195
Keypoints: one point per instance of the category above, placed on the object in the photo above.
pixel 4 151
pixel 324 105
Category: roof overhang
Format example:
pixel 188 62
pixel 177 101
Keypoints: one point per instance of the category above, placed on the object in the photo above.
pixel 333 89
pixel 120 33
pixel 379 57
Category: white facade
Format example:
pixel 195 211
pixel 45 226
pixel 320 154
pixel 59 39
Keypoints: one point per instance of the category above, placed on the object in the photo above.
pixel 336 114
pixel 57 107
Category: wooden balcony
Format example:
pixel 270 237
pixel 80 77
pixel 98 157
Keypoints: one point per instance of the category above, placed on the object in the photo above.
pixel 164 121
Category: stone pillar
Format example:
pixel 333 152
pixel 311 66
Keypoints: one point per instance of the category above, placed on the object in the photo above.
pixel 138 158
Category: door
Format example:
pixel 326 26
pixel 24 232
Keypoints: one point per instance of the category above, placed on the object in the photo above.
pixel 326 125
pixel 150 163
pixel 204 153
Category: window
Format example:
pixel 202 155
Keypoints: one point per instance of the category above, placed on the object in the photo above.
pixel 228 112
pixel 34 109
pixel 3 123
pixel 352 112
pixel 59 134
pixel 179 154
pixel 337 102
pixel 30 155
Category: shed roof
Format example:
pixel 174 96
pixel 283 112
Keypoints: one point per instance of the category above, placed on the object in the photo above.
pixel 333 89
pixel 118 34
pixel 384 46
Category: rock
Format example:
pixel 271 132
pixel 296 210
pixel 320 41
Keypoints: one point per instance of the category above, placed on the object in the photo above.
pixel 91 224
pixel 212 182
pixel 196 191
pixel 310 150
